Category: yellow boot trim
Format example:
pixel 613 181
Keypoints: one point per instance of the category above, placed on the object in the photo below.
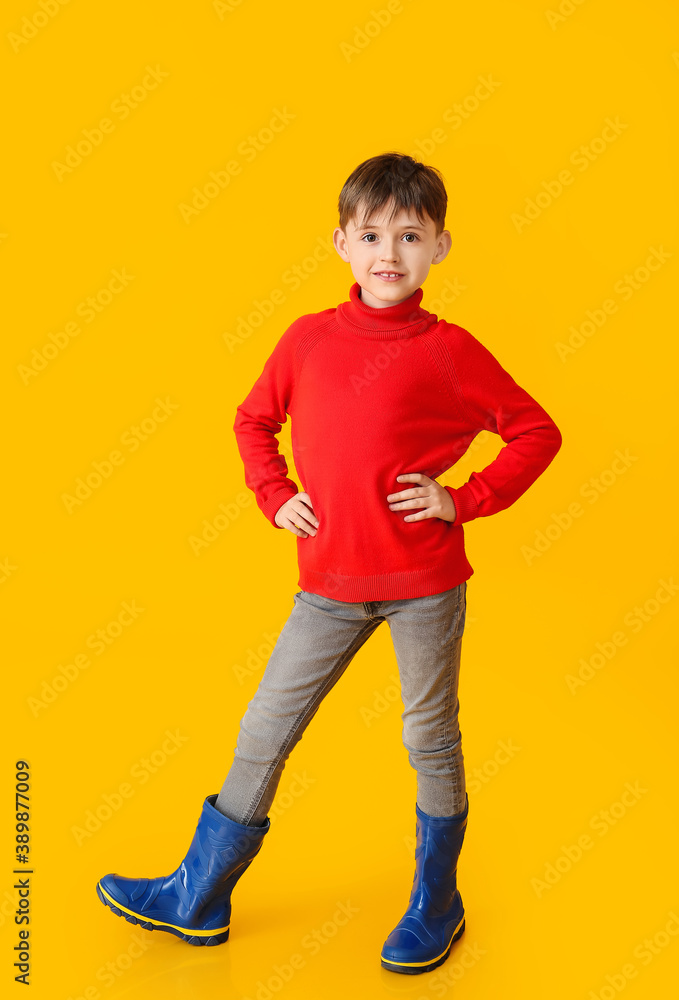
pixel 429 960
pixel 162 923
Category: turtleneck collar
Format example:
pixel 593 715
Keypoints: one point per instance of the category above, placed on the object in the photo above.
pixel 405 319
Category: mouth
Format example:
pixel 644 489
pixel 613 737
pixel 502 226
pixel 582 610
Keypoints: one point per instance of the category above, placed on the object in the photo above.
pixel 388 275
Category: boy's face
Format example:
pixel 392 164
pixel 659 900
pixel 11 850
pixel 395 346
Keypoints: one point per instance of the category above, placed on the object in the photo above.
pixel 405 246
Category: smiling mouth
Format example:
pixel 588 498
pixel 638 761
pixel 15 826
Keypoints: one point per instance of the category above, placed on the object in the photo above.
pixel 388 274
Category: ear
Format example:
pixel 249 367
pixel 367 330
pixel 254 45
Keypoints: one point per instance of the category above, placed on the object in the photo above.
pixel 443 246
pixel 339 240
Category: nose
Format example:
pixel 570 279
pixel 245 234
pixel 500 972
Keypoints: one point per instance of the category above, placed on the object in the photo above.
pixel 389 252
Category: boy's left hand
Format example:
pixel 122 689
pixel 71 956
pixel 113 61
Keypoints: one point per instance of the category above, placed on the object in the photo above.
pixel 436 500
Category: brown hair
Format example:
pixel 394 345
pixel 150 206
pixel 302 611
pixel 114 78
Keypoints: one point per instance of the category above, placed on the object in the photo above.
pixel 395 175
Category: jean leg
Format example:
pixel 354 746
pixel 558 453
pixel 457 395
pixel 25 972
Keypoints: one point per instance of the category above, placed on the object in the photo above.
pixel 316 645
pixel 427 637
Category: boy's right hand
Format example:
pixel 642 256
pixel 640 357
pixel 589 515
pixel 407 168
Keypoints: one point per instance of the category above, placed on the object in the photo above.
pixel 297 515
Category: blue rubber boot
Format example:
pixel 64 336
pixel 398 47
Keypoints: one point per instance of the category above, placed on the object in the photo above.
pixel 194 902
pixel 422 939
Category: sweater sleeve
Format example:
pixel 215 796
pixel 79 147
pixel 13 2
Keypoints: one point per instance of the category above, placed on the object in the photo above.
pixel 493 401
pixel 259 419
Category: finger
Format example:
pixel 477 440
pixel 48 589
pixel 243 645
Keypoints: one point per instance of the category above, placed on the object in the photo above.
pixel 299 518
pixel 302 519
pixel 292 527
pixel 416 500
pixel 415 504
pixel 405 494
pixel 309 516
pixel 301 528
pixel 420 516
pixel 414 477
pixel 307 510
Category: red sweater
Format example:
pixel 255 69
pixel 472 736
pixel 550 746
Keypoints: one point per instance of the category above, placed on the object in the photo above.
pixel 372 394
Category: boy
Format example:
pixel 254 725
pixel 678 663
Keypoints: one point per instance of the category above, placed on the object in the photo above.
pixel 384 397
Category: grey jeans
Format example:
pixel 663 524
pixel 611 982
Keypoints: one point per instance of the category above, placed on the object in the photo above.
pixel 316 645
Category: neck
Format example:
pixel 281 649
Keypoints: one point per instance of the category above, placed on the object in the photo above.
pixel 373 302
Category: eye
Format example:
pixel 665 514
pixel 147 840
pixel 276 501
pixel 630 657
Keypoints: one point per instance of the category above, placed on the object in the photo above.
pixel 365 237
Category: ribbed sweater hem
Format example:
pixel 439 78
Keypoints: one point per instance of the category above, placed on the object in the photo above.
pixel 386 586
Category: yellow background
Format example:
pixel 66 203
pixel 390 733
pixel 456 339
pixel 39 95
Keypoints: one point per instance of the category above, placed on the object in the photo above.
pixel 347 832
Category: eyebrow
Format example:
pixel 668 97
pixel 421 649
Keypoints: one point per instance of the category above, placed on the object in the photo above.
pixel 409 225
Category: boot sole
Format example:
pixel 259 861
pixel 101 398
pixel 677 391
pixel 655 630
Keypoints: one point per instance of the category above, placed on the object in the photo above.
pixel 415 968
pixel 194 937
